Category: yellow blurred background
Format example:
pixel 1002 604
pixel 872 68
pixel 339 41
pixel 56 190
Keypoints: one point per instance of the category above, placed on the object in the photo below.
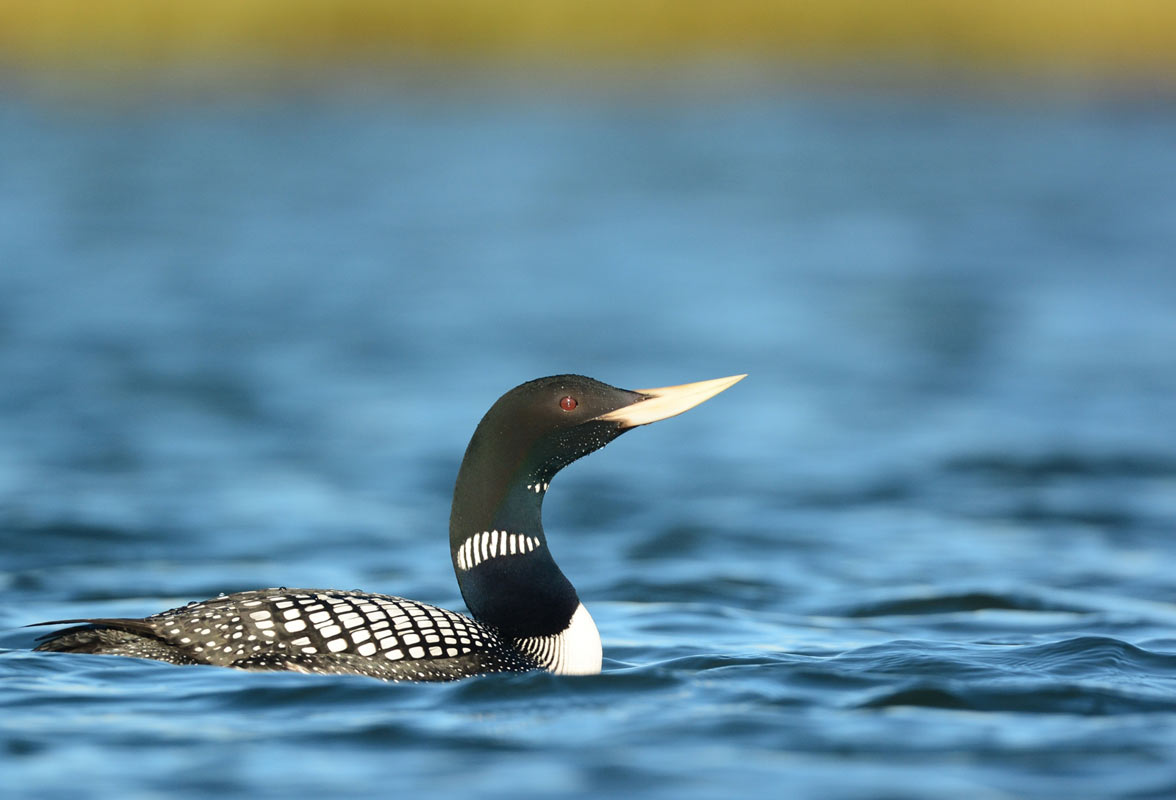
pixel 1101 38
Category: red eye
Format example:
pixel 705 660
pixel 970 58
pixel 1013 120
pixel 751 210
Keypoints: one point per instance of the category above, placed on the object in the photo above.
pixel 568 403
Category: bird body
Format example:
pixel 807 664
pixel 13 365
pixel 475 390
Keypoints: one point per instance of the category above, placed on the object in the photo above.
pixel 526 613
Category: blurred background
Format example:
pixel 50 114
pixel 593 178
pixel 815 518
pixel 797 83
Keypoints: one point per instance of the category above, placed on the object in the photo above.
pixel 1131 39
pixel 263 266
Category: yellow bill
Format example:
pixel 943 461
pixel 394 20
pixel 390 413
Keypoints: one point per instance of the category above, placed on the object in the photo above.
pixel 668 401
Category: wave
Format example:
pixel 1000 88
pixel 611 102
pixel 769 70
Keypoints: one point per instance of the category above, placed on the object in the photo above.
pixel 1027 698
pixel 1063 464
pixel 953 602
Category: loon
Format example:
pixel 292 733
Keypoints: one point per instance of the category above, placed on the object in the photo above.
pixel 526 614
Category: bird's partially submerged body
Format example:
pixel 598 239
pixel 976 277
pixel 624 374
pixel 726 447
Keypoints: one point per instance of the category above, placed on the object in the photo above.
pixel 526 614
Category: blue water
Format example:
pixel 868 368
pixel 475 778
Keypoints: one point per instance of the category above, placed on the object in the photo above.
pixel 925 550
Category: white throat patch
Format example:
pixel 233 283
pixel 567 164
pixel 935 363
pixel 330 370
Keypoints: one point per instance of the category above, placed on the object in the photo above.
pixel 574 651
pixel 491 544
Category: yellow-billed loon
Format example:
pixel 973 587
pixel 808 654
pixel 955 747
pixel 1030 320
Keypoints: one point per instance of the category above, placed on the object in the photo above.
pixel 526 614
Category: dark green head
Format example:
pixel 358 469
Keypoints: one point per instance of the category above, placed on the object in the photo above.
pixel 531 433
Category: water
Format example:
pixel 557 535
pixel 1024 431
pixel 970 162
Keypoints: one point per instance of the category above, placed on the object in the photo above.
pixel 924 551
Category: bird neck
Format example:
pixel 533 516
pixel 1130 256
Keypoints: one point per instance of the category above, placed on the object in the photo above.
pixel 504 569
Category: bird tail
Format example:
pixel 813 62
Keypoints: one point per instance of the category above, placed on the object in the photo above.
pixel 99 635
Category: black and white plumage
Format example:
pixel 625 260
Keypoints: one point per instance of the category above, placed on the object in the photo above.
pixel 307 630
pixel 526 614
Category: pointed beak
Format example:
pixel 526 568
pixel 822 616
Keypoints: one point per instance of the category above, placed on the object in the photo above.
pixel 668 401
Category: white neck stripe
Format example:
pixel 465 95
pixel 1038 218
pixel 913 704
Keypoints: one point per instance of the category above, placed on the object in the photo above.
pixel 492 544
